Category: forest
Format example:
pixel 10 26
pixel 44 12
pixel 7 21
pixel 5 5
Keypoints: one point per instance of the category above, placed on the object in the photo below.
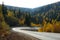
pixel 46 17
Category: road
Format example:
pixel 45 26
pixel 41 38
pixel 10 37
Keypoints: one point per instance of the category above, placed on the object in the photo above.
pixel 39 35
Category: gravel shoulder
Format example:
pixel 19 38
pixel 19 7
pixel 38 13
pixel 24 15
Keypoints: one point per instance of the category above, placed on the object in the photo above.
pixel 18 36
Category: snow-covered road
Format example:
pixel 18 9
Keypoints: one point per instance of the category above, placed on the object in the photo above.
pixel 39 35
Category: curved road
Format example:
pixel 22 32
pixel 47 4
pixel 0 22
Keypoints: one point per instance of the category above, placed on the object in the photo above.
pixel 39 35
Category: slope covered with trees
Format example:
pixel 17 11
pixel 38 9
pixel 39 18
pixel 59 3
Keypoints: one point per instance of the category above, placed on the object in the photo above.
pixel 4 27
pixel 47 17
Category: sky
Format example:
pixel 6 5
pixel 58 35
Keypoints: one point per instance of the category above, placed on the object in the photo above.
pixel 28 3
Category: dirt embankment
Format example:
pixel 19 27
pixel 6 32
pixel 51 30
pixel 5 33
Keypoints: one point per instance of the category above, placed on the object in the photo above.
pixel 17 36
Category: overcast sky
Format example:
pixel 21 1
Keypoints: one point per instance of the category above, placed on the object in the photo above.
pixel 28 3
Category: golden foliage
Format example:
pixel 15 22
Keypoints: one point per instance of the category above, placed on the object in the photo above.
pixel 50 27
pixel 10 13
pixel 21 21
pixel 40 29
pixel 4 28
pixel 35 25
pixel 57 26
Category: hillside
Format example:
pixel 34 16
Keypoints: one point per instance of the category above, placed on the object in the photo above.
pixel 18 16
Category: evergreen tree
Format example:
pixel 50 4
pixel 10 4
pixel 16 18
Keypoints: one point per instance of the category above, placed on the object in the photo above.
pixel 28 19
pixel 19 14
pixel 4 10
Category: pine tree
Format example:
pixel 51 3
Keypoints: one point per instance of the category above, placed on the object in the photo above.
pixel 4 10
pixel 28 19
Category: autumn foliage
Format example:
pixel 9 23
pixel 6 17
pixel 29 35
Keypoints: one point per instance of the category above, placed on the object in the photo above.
pixel 50 27
pixel 4 27
pixel 35 25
